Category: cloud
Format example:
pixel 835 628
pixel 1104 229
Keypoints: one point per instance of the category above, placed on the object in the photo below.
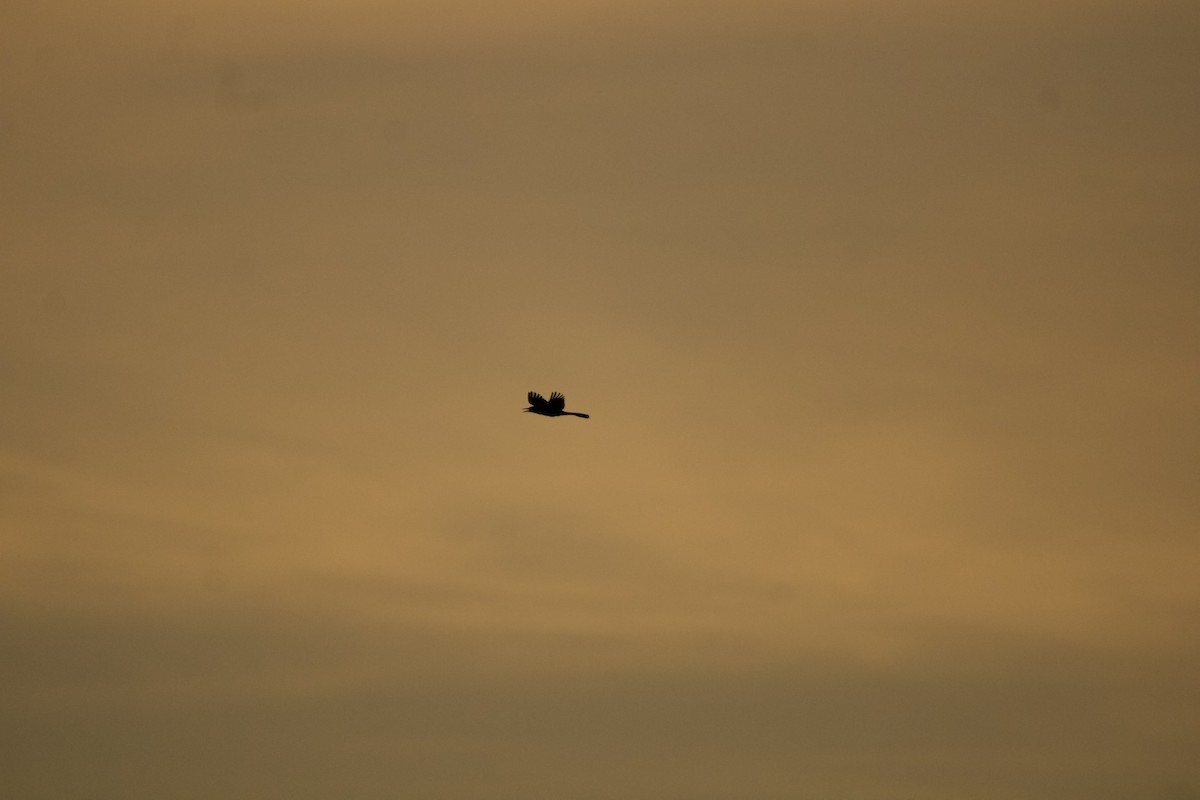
pixel 887 479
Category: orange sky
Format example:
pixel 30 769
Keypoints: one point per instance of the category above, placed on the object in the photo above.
pixel 885 314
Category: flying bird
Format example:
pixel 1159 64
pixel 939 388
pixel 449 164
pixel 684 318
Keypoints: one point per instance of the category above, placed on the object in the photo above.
pixel 552 407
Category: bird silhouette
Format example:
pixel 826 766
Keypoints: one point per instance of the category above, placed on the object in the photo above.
pixel 552 407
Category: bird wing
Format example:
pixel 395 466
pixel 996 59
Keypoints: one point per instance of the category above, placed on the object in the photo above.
pixel 557 402
pixel 536 400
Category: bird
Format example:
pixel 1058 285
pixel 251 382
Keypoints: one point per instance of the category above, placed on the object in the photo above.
pixel 552 407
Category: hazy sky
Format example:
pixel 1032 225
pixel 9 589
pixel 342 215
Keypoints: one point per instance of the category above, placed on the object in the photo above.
pixel 886 314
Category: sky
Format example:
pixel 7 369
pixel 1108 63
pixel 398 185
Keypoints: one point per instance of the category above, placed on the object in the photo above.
pixel 885 314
